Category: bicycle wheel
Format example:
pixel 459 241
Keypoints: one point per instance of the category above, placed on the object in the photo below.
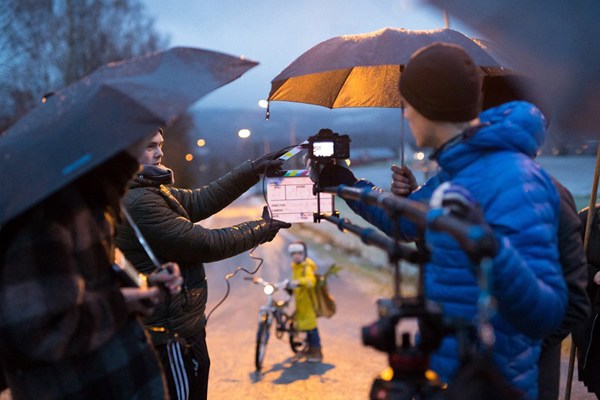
pixel 262 337
pixel 297 338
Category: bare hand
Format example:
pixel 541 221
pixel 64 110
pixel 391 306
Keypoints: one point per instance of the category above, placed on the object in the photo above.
pixel 134 299
pixel 597 278
pixel 403 181
pixel 169 276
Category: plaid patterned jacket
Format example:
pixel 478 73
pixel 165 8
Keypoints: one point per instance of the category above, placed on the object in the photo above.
pixel 64 329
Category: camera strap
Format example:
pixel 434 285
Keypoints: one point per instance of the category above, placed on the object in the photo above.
pixel 141 239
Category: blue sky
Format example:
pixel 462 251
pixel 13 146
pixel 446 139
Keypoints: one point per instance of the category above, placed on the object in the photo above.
pixel 275 32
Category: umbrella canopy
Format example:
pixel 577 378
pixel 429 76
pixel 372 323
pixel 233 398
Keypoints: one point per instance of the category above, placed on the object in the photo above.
pixel 553 42
pixel 93 119
pixel 364 70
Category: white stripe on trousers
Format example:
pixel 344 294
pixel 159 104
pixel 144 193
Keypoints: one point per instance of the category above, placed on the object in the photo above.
pixel 178 371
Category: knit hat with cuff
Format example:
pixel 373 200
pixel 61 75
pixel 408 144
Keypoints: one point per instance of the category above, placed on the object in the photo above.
pixel 442 83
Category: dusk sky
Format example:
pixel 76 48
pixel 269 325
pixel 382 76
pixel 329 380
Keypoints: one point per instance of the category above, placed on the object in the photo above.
pixel 275 32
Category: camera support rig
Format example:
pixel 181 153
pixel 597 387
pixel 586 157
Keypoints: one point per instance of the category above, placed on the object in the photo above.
pixel 408 376
pixel 325 147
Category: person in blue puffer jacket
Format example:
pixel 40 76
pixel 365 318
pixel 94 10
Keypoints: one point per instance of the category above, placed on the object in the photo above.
pixel 488 157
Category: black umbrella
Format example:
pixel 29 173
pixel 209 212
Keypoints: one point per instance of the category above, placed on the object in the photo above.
pixel 93 119
pixel 554 42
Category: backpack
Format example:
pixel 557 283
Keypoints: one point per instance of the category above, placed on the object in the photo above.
pixel 323 301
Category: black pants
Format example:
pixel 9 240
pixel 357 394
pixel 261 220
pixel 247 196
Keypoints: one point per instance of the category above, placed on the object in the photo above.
pixel 549 372
pixel 186 367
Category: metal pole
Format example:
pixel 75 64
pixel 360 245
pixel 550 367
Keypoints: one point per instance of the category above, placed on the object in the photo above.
pixel 586 242
pixel 590 216
pixel 402 135
pixel 141 239
pixel 446 20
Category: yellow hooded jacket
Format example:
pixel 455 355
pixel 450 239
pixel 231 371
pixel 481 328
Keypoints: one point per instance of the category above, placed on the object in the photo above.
pixel 304 273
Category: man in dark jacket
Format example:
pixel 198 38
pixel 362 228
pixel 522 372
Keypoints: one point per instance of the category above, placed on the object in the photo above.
pixel 572 261
pixel 587 337
pixel 167 218
pixel 487 176
pixel 67 330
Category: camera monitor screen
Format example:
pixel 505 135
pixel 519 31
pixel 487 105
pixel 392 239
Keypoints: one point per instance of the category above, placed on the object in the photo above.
pixel 323 149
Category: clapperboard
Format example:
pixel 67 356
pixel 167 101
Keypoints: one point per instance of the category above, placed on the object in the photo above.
pixel 290 194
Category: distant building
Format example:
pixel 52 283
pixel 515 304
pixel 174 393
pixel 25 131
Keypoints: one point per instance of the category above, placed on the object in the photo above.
pixel 371 154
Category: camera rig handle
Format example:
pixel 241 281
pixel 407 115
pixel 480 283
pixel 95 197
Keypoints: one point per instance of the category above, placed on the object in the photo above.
pixel 396 251
pixel 475 240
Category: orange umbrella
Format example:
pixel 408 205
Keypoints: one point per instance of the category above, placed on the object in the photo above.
pixel 364 70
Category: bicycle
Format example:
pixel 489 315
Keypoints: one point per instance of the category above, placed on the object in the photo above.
pixel 284 322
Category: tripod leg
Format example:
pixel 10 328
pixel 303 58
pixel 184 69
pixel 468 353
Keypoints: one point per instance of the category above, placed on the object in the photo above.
pixel 570 370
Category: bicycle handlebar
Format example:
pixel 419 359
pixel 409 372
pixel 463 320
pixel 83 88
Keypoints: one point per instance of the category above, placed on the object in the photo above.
pixel 260 281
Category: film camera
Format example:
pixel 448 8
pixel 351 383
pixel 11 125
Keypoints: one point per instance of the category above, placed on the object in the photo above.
pixel 326 146
pixel 408 376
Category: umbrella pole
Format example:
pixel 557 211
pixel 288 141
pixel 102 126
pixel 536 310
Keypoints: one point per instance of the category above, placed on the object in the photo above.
pixel 590 216
pixel 402 135
pixel 586 242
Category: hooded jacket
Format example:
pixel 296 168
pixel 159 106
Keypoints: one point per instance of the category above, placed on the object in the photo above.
pixel 167 218
pixel 304 273
pixel 494 162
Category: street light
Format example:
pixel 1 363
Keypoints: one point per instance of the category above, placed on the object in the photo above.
pixel 263 103
pixel 244 133
pixel 189 157
pixel 201 142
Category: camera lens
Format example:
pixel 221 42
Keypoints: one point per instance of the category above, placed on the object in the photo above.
pixel 380 335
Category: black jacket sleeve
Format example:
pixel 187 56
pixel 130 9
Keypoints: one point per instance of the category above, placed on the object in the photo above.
pixel 592 253
pixel 573 262
pixel 203 202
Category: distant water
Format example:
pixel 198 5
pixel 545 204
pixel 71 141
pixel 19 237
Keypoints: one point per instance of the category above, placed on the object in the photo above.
pixel 574 172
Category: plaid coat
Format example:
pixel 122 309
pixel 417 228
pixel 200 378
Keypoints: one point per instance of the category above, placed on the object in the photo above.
pixel 64 329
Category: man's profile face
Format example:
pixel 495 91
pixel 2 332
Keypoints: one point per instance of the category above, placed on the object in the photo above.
pixel 152 154
pixel 420 127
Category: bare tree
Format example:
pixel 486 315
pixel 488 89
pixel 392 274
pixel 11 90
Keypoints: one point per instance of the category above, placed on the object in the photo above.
pixel 48 44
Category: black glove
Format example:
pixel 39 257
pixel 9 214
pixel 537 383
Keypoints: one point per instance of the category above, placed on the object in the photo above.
pixel 334 175
pixel 267 162
pixel 273 225
pixel 460 204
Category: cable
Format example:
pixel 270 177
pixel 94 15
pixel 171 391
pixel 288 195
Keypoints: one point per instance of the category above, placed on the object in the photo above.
pixel 231 275
pixel 251 255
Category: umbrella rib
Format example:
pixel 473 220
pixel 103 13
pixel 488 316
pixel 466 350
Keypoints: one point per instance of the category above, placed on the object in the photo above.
pixel 341 87
pixel 109 86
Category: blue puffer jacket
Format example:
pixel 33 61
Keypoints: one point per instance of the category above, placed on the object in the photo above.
pixel 520 203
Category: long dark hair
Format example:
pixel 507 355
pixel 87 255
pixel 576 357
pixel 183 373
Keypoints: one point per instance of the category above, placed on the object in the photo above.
pixel 105 185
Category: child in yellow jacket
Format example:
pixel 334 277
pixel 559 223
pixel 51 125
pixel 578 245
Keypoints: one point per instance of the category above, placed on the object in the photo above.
pixel 304 280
